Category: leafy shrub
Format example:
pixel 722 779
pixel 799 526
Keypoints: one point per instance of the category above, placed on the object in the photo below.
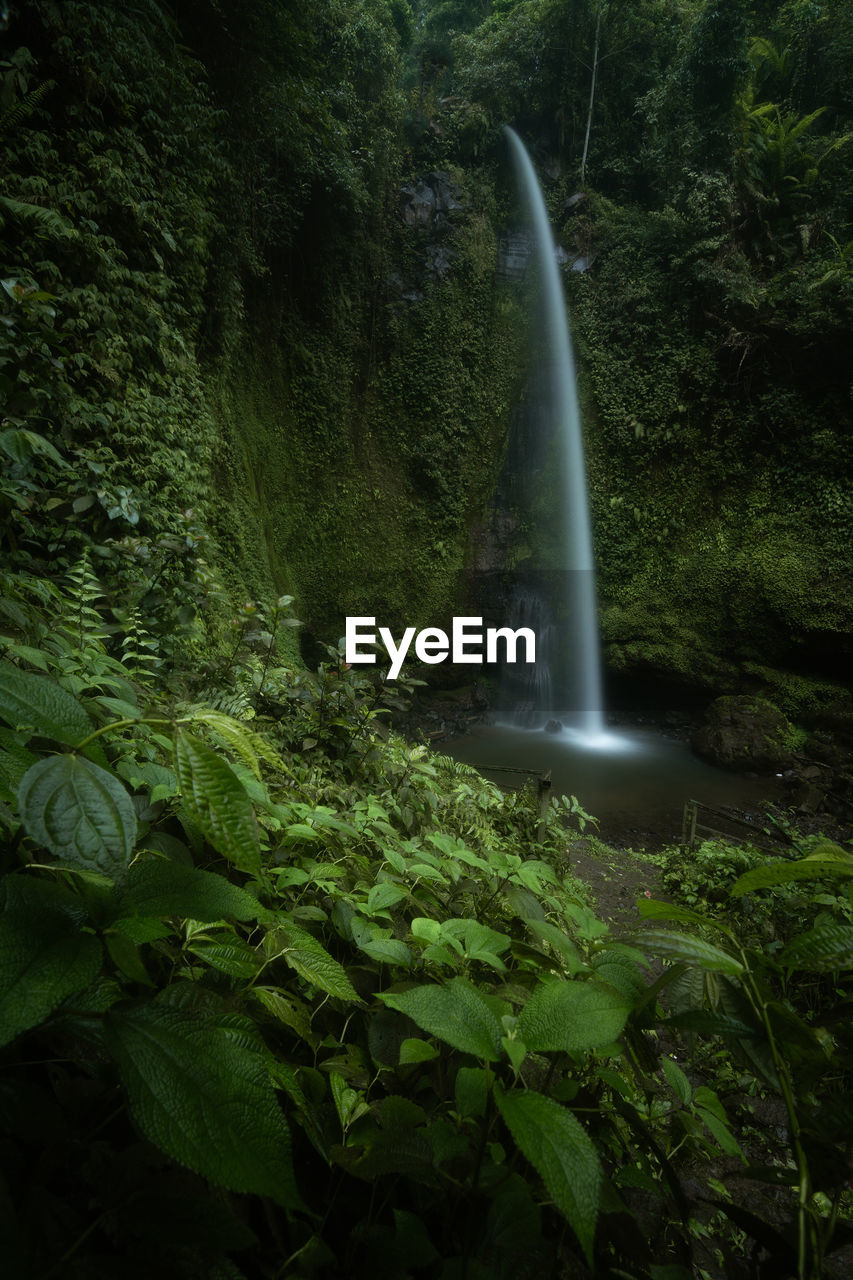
pixel 306 962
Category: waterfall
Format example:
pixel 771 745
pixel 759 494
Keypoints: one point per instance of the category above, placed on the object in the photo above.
pixel 581 650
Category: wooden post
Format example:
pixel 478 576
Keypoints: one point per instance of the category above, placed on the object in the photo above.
pixel 688 825
pixel 543 795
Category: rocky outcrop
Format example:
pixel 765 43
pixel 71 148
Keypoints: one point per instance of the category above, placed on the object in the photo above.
pixel 427 202
pixel 745 733
pixel 430 206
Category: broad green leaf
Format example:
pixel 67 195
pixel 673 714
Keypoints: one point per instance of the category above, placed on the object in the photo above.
pixel 146 773
pixel 287 1008
pixel 471 1091
pixel 412 1050
pixel 440 955
pixel 709 1101
pixel 349 1102
pixel 217 801
pixel 571 1015
pixel 618 968
pixel 405 1151
pixel 828 850
pixel 733 1003
pixel 713 1024
pixel 523 903
pixel 776 873
pixel 310 959
pixel 515 1051
pixel 426 929
pixel 121 708
pixel 677 1080
pixel 78 811
pixel 396 860
pixel 44 956
pixel 142 929
pixel 232 956
pixel 549 933
pixel 35 657
pixel 384 895
pixel 721 1131
pixel 456 850
pixel 159 887
pixel 691 950
pixel 426 872
pixel 455 1013
pixel 561 1151
pixel 21 446
pixel 586 921
pixel 395 1111
pixel 202 1093
pixel 124 954
pixel 298 833
pixel 412 1244
pixel 231 732
pixel 15 759
pixel 650 909
pixel 286 877
pixel 250 746
pixel 42 705
pixel 478 940
pixel 820 950
pixel 378 943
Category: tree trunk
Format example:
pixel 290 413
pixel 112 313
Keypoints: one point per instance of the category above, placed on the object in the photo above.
pixel 591 94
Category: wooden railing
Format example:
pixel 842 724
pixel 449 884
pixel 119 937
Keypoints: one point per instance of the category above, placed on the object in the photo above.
pixel 696 826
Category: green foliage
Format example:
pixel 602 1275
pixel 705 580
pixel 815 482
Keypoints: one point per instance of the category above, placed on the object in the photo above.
pixel 334 982
pixel 45 956
pixel 216 801
pixel 781 1032
pixel 457 1014
pixel 311 905
pixel 78 811
pixel 189 1074
pixel 553 1140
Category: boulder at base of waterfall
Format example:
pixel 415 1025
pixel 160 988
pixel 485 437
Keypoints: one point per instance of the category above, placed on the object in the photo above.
pixel 744 733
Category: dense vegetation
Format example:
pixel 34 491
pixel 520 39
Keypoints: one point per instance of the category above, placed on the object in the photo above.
pixel 716 176
pixel 284 954
pixel 282 994
pixel 230 307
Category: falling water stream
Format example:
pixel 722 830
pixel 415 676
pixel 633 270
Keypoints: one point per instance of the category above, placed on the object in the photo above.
pixel 634 778
pixel 581 641
pixel 647 776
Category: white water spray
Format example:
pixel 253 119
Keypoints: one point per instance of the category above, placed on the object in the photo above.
pixel 584 654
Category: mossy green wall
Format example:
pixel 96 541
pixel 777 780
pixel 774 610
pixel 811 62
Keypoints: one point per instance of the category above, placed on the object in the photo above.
pixel 351 466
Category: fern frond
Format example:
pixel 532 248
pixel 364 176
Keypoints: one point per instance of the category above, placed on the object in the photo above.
pixel 137 646
pixel 85 590
pixel 19 111
pixel 47 220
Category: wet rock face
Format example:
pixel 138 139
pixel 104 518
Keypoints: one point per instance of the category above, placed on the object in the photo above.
pixel 427 201
pixel 417 205
pixel 431 207
pixel 744 733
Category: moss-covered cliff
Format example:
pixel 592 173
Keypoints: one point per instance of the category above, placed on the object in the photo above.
pixel 254 340
pixel 206 229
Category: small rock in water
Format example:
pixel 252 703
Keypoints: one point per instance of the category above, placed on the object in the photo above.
pixel 553 726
